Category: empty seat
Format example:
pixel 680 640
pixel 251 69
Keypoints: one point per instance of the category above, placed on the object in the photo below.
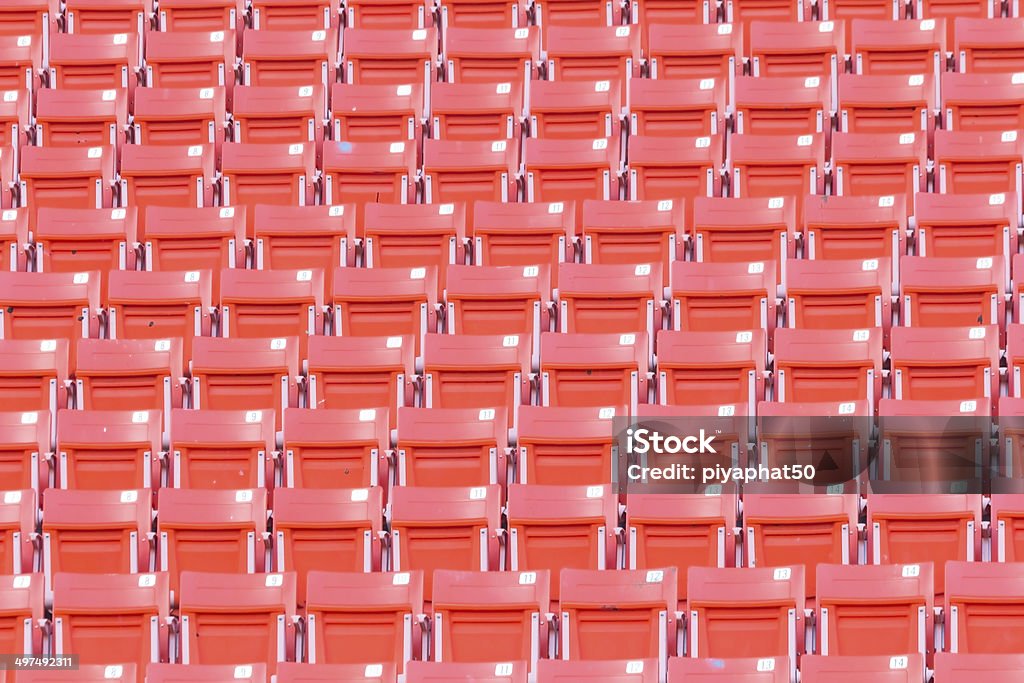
pixel 964 668
pixel 444 528
pixel 335 448
pixel 575 109
pixel 945 292
pixel 77 524
pixel 183 15
pixel 24 450
pixel 21 59
pixel 741 231
pixel 190 239
pixel 915 528
pixel 984 45
pixel 557 170
pixel 415 236
pixel 211 531
pixel 484 672
pixel 566 445
pixel 182 673
pixel 221 449
pixel 228 618
pixel 828 366
pixel 108 449
pixel 575 13
pixel 599 298
pixel 949 10
pixel 973 102
pixel 887 103
pixel 648 13
pixel 594 369
pixel 32 17
pixel 524 234
pixel 695 50
pixel 360 173
pixel 104 16
pixel 390 56
pixel 378 302
pixel 451 446
pixel 633 232
pixel 355 617
pixel 129 375
pixel 978 162
pixel 783 105
pixel 18 512
pixel 837 228
pixel 193 57
pixel 701 368
pixel 93 61
pixel 591 53
pixel 66 177
pixel 33 375
pixel 1007 508
pixel 376 112
pixel 96 614
pixel 491 55
pixel 166 175
pixel 258 303
pixel 293 15
pixel 1011 454
pixel 489 616
pixel 280 114
pixel 834 295
pixel 245 374
pixel 967 225
pixel 21 613
pixel 881 668
pixel 476 111
pixel 735 669
pixel 361 372
pixel 14 242
pixel 271 173
pixel 470 170
pixel 775 166
pixel 892 47
pixel 303 237
pixel 816 530
pixel 787 48
pixel 491 300
pixel 163 117
pixel 164 305
pixel 478 371
pixel 66 118
pixel 561 527
pixel 291 57
pixel 326 530
pixel 723 297
pixel 668 108
pixel 292 672
pixel 473 13
pixel 745 12
pixel 984 607
pixel 53 305
pixel 668 169
pixel 389 13
pixel 945 363
pixel 870 164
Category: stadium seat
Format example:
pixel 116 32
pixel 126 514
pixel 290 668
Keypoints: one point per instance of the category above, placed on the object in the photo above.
pixel 788 48
pixel 978 162
pixel 651 13
pixel 575 13
pixel 33 375
pixel 478 371
pixel 983 607
pixel 949 10
pixel 450 527
pixel 414 236
pixel 893 47
pixel 668 108
pixel 911 528
pixel 193 57
pixel 712 367
pixel 880 668
pixel 258 303
pixel 280 114
pixel 724 297
pixel 571 169
pixel 108 449
pixel 1011 451
pixel 270 173
pixel 695 50
pixel 848 10
pixel 746 612
pixel 164 305
pixel 25 450
pixel 294 57
pixel 561 527
pixel 96 614
pixel 482 672
pixel 960 363
pixel 178 16
pixel 385 301
pixel 592 53
pixel 599 298
pixel 32 17
pixel 887 103
pixel 588 369
pixel 1007 510
pixel 21 59
pixel 362 372
pixel 211 531
pixel 164 175
pixel 525 234
pixel 775 166
pixel 205 673
pixel 227 618
pixel 335 448
pixel 361 173
pixel 376 113
pixel 190 239
pixel 391 56
pixel 964 668
pixel 783 105
pixel 828 365
pixel 473 13
pixel 476 111
pixel 102 16
pixel 740 231
pixel 839 228
pixel 292 672
pixel 633 232
pixel 839 295
pixel 490 617
pixel 815 530
pixel 610 670
pixel 93 61
pixel 55 305
pixel 76 524
pixel 352 618
pixel 577 109
pixel 734 669
pixel 982 102
pixel 21 613
pixel 566 445
pixel 15 126
pixel 163 117
pixel 451 447
pixel 221 449
pixel 491 55
pixel 85 673
pixel 869 164
pixel 746 12
pixel 66 177
pixel 87 118
pixel 941 292
pixel 14 240
pixel 470 170
pixel 79 240
pixel 326 529
pixel 676 169
pixel 289 15
pixel 392 14
pixel 302 237
pixel 988 45
pixel 249 374
pixel 18 513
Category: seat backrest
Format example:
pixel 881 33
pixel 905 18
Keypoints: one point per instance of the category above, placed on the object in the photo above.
pixel 221 449
pixel 335 447
pixel 436 672
pixel 492 55
pixel 828 365
pixel 735 670
pixel 108 449
pixel 698 368
pixel 24 444
pixel 964 668
pixel 881 668
pixel 839 295
pixel 743 230
pixel 594 369
pixel 21 612
pixel 975 624
pixel 566 445
pixel 961 362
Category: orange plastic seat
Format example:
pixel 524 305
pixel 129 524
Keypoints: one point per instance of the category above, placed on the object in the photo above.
pixel 289 57
pixel 650 13
pixel 611 670
pixel 50 305
pixel 978 162
pixel 588 369
pixel 335 448
pixel 415 236
pixel 947 292
pixel 984 602
pixel 25 450
pixel 129 374
pixel 107 16
pixel 839 295
pixel 668 108
pixel 33 375
pixel 695 50
pixel 390 56
pixel 305 237
pixel 293 672
pixel 775 166
pixel 977 102
pixel 701 368
pixel 378 302
pixel 892 47
pixel 964 668
pixel 986 45
pixel 723 297
pixel 602 298
pixel 861 228
pixel 801 48
pixel 221 449
pixel 955 225
pixel 477 13
pixel 870 164
pixel 94 61
pixel 828 365
pixel 21 613
pixel 166 175
pixel 1011 455
pixel 881 668
pixel 193 58
pixel 735 669
pixel 832 436
pixel 470 170
pixel 270 173
pixel 376 113
pixel 575 13
pixel 476 111
pixel 108 449
pixel 66 177
pixel 575 109
pixel 524 234
pixel 258 303
pixel 513 300
pixel 29 17
pixel 945 363
pixel 741 231
pixel 89 118
pixel 592 53
pixel 361 173
pixel 565 445
pixel 21 58
pixel 293 15
pixel 668 169
pixel 745 12
pixel 179 16
pixel 280 114
pixel 194 240
pixel 163 117
pixel 491 55
pixel 849 10
pixel 451 447
pixel 1007 508
pixel 887 103
pixel 559 170
pixel 14 242
pixel 783 105
pixel 18 512
pixel 633 232
pixel 393 14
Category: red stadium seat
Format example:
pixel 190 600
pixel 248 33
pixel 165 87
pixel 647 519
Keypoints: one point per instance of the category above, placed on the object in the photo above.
pixel 478 371
pixel 893 47
pixel 592 53
pixel 887 103
pixel 212 15
pixel 245 374
pixel 834 436
pixel 414 236
pixel 221 449
pixel 77 523
pixel 674 168
pixel 561 527
pixel 828 365
pixel 94 61
pixel 775 166
pixel 697 50
pixel 107 16
pixel 481 672
pixel 14 241
pixel 848 10
pixel 352 618
pixel 668 108
pixel 736 670
pixel 489 616
pixel 839 295
pixel 783 105
pixel 444 528
pixel 451 447
pixel 797 48
pixel 880 668
pixel 21 612
pixel 598 298
pixel 967 225
pixel 571 169
pixel 746 612
pixel 702 368
pixel 588 369
pixel 959 363
pixel 227 618
pixel 838 228
pixel 33 375
pixel 964 668
pixel 723 297
pixel 30 17
pixel 259 303
pixel 294 58
pixel 814 530
pixel 390 56
pixel 293 15
pixel 914 448
pixel 361 372
pixel 869 164
pixel 565 445
pixel 166 305
pixel 335 448
pixel 492 300
pixel 525 234
pixel 476 111
pixel 68 118
pixel 203 673
pixel 378 302
pixel 55 305
pixel 650 13
pixel 211 531
pixel 78 240
pixel 474 13
pixel 983 607
pixel 988 45
pixel 108 449
pixel 1011 455
pixel 361 173
pixel 280 114
pixel 19 510
pixel 292 672
pixel 1007 511
pixel 575 13
pixel 470 170
pixel 912 528
pixel 392 14
pixel 949 10
pixel 745 12
pixel 575 109
pixel 491 55
pixel 326 529
pixel 164 175
pixel 740 231
pixel 66 177
pixel 298 237
pixel 189 239
pixel 610 670
pixel 954 291
pixel 24 450
pixel 194 57
pixel 8 187
pixel 376 113
pixel 21 59
pixel 271 173
pixel 633 232
pixel 978 102
pixel 983 162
